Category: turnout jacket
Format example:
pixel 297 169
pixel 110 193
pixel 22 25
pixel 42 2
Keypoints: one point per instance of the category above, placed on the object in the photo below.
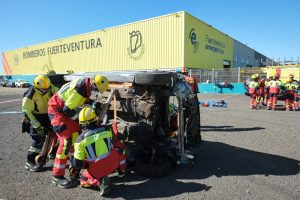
pixel 93 145
pixel 74 94
pixel 275 86
pixel 291 87
pixel 35 104
pixel 253 86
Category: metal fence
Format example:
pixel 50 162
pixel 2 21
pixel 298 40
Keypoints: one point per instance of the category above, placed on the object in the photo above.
pixel 238 75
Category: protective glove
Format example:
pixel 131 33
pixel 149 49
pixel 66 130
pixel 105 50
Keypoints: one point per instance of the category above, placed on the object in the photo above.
pixel 41 131
pixel 25 125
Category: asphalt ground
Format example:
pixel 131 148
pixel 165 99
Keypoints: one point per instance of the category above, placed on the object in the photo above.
pixel 246 154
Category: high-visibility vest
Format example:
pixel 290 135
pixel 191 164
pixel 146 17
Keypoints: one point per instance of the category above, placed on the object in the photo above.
pixel 35 103
pixel 94 144
pixel 253 86
pixel 274 86
pixel 291 87
pixel 75 93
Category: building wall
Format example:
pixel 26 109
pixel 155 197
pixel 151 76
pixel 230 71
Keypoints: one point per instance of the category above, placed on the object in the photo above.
pixel 205 46
pixel 243 56
pixel 259 59
pixel 149 44
pixel 170 41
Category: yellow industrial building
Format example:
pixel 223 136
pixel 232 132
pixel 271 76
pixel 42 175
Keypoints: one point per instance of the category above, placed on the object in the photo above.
pixel 165 42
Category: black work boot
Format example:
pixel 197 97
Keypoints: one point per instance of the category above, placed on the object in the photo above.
pixel 33 167
pixel 62 182
pixel 104 186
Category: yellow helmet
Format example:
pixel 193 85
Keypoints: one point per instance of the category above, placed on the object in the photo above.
pixel 42 83
pixel 101 82
pixel 253 76
pixel 87 115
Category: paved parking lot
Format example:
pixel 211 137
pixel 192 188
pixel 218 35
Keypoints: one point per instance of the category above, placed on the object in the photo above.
pixel 246 154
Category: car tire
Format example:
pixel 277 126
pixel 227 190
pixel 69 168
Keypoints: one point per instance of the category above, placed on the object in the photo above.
pixel 152 78
pixel 153 170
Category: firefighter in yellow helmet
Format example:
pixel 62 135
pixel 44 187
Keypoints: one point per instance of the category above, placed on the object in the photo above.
pixel 98 146
pixel 274 89
pixel 36 121
pixel 62 110
pixel 253 87
pixel 291 94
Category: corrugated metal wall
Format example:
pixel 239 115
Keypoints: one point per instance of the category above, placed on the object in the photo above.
pixel 243 56
pixel 205 46
pixel 149 44
pixel 170 41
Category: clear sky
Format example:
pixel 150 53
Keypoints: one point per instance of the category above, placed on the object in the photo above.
pixel 271 27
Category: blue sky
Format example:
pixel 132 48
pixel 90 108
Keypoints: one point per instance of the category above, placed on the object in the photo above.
pixel 270 27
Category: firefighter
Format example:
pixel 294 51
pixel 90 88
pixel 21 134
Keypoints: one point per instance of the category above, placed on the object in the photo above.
pixel 267 89
pixel 261 90
pixel 36 121
pixel 99 148
pixel 274 89
pixel 291 93
pixel 253 90
pixel 63 107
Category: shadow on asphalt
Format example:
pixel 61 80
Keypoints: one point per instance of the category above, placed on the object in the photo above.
pixel 212 159
pixel 229 128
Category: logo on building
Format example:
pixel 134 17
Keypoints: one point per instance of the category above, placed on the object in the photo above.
pixel 137 48
pixel 16 59
pixel 193 39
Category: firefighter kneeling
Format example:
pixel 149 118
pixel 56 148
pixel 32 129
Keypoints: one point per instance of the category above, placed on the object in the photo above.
pixel 99 151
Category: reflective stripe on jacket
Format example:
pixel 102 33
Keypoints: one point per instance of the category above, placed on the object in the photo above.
pixel 74 94
pixel 291 86
pixel 93 145
pixel 275 86
pixel 253 86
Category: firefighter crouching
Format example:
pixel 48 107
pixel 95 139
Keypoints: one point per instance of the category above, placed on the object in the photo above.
pixel 100 150
pixel 253 91
pixel 274 89
pixel 291 94
pixel 36 120
pixel 62 110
